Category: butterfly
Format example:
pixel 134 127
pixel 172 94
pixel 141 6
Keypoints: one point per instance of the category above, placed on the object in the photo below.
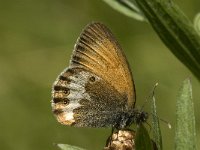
pixel 97 89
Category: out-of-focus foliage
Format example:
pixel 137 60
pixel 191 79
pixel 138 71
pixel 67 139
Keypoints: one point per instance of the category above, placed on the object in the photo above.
pixel 36 40
pixel 175 30
pixel 127 7
pixel 68 147
pixel 172 26
pixel 142 139
pixel 197 23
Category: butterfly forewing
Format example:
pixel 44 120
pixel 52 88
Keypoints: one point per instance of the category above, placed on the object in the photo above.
pixel 97 51
pixel 98 85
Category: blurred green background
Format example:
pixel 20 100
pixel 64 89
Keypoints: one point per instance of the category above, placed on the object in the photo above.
pixel 36 40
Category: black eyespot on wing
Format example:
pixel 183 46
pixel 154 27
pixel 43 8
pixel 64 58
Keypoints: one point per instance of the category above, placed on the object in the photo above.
pixel 61 88
pixel 71 71
pixel 66 101
pixel 67 92
pixel 63 100
pixel 92 79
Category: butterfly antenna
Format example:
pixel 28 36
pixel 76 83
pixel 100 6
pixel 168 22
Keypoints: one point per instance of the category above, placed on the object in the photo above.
pixel 149 126
pixel 164 121
pixel 147 99
pixel 151 94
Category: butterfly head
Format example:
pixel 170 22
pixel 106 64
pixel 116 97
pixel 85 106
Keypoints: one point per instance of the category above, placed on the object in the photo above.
pixel 141 117
pixel 125 119
pixel 137 117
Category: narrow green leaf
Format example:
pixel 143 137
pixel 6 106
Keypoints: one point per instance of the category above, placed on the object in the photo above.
pixel 142 140
pixel 126 7
pixel 175 30
pixel 197 23
pixel 185 135
pixel 157 138
pixel 68 147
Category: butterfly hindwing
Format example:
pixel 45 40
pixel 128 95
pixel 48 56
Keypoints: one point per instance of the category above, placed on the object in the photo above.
pixel 82 99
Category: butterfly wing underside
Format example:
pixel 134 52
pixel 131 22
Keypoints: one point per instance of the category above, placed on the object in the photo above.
pixel 98 84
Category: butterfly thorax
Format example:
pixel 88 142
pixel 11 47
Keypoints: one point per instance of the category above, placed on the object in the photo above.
pixel 133 116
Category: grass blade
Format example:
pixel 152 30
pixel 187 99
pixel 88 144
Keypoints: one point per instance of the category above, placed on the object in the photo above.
pixel 142 140
pixel 157 138
pixel 185 135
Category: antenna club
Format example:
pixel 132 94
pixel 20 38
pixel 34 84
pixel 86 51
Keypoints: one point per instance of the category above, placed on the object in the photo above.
pixel 169 126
